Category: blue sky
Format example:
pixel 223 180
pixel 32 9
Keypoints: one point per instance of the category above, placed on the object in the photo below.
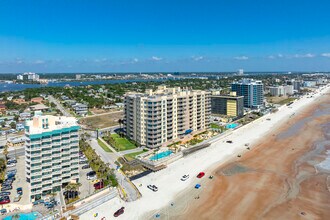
pixel 164 35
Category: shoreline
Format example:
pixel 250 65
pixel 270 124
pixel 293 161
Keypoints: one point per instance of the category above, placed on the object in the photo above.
pixel 168 180
pixel 250 188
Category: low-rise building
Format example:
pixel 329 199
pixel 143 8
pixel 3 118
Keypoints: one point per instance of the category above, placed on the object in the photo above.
pixel 19 101
pixel 39 107
pixel 37 100
pixel 80 109
pixel 16 141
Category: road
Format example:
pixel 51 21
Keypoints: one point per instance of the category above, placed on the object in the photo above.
pixel 123 181
pixel 59 106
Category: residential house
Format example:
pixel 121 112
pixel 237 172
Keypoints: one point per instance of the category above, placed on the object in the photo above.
pixel 37 100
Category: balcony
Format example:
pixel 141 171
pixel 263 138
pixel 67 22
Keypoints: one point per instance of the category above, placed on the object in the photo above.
pixel 65 135
pixel 35 186
pixel 46 140
pixel 65 141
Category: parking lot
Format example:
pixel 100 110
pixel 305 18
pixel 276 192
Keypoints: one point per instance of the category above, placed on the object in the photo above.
pixel 86 185
pixel 19 182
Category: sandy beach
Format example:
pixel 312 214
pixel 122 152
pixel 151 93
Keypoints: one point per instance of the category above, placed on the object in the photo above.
pixel 277 178
pixel 268 180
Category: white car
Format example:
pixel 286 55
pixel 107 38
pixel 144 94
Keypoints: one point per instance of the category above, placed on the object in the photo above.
pixel 11 165
pixel 185 177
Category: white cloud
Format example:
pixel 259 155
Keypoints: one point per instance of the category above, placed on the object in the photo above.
pixel 197 58
pixel 307 55
pixel 241 58
pixel 279 55
pixel 156 58
pixel 271 57
pixel 39 62
pixel 135 60
pixel 325 54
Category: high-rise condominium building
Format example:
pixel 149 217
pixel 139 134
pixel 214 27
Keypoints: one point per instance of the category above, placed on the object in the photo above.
pixel 157 118
pixel 230 105
pixel 51 154
pixel 253 92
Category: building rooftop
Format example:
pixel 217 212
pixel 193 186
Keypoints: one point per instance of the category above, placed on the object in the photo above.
pixel 164 91
pixel 248 81
pixel 44 123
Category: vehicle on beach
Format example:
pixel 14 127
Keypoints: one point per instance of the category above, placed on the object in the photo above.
pixel 119 212
pixel 185 177
pixel 200 175
pixel 229 142
pixel 153 188
pixel 210 177
pixel 239 155
pixel 197 186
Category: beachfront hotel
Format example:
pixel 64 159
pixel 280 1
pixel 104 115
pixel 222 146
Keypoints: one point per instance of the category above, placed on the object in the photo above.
pixel 51 153
pixel 230 105
pixel 156 118
pixel 252 90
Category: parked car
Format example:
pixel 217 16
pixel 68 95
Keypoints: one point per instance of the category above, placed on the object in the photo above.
pixel 6 188
pixel 3 211
pixel 19 190
pixel 11 164
pixel 229 141
pixel 119 212
pixel 83 162
pixel 99 185
pixel 197 186
pixel 4 194
pixel 200 175
pixel 4 200
pixel 153 188
pixel 86 166
pixel 185 177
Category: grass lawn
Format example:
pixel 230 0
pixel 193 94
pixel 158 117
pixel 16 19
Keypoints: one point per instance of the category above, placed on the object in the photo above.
pixel 122 144
pixel 105 147
pixel 131 156
pixel 286 101
pixel 215 126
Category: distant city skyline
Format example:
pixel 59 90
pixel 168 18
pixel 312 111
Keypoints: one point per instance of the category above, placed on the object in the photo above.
pixel 164 36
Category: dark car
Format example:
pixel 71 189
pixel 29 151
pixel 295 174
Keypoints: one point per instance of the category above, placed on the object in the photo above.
pixel 200 175
pixel 86 166
pixel 98 185
pixel 119 212
pixel 6 188
pixel 4 200
pixel 153 188
pixel 19 191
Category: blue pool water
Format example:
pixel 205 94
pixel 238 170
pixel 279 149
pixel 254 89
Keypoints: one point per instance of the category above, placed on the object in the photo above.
pixel 231 126
pixel 26 216
pixel 161 155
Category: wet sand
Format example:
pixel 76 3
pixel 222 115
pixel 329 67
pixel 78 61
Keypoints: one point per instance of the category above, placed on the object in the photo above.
pixel 277 179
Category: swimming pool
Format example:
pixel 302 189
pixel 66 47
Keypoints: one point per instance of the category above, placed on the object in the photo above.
pixel 25 216
pixel 231 126
pixel 161 155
